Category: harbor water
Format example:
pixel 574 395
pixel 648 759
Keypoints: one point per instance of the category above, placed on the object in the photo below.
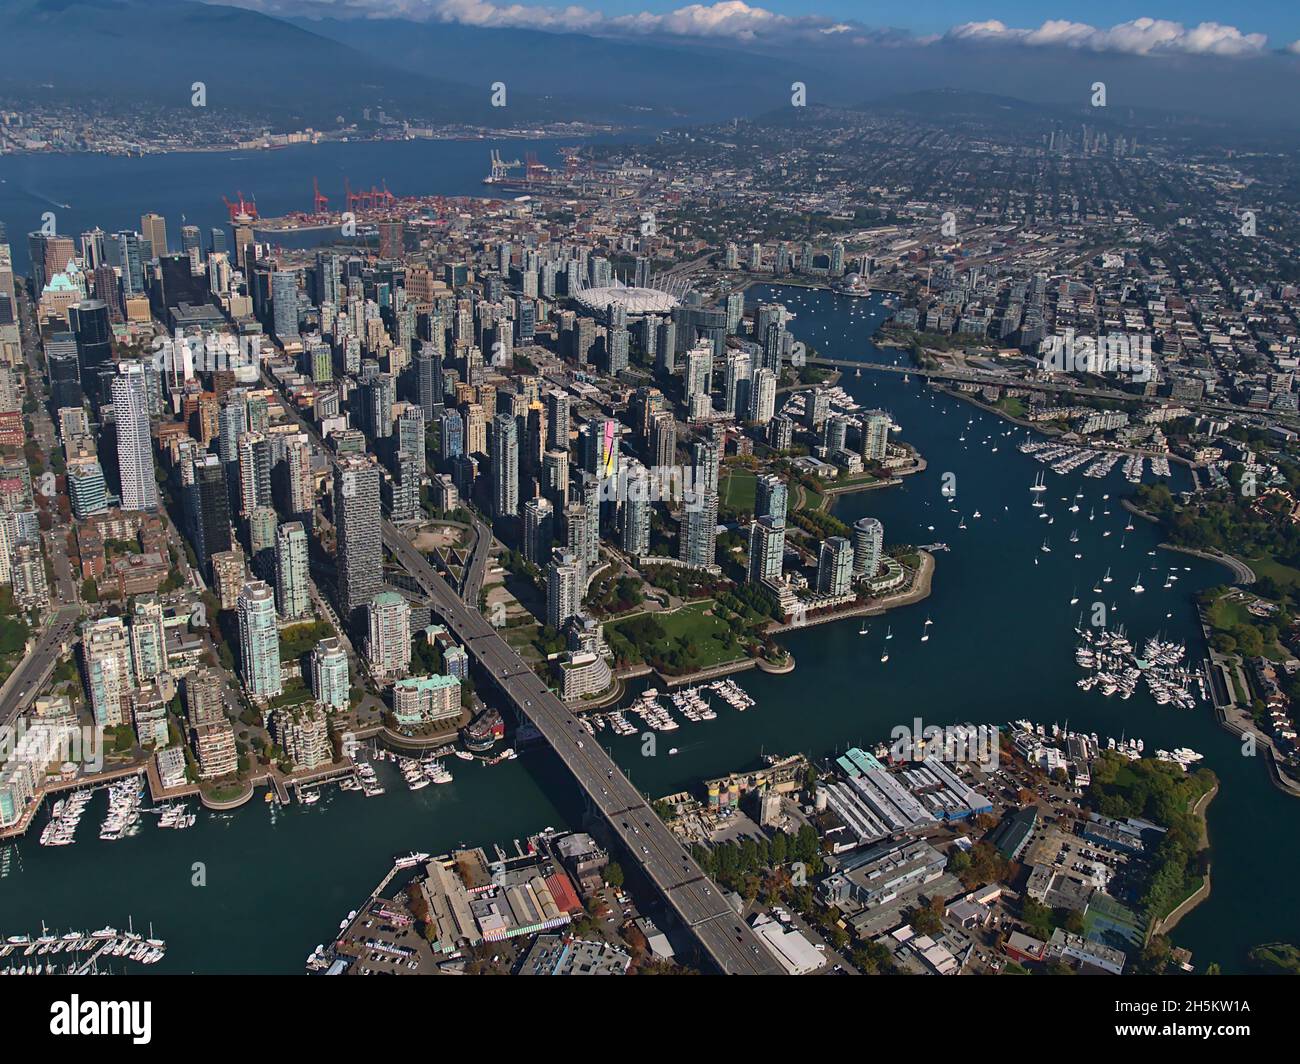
pixel 254 890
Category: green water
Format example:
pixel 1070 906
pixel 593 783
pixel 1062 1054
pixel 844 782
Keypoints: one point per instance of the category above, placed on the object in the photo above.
pixel 1001 648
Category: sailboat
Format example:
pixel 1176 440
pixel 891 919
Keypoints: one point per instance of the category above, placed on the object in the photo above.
pixel 863 629
pixel 1129 527
pixel 889 632
pixel 1092 515
pixel 1137 587
pixel 1074 595
pixel 961 523
pixel 884 657
pixel 1045 548
pixel 1074 535
pixel 1040 482
pixel 1107 578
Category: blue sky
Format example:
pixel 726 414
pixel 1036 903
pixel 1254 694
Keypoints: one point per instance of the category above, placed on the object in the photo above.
pixel 1145 27
pixel 1278 20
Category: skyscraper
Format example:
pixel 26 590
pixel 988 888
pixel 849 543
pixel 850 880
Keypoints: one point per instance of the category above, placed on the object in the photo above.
pixel 762 396
pixel 299 482
pixel 208 510
pixel 539 529
pixel 868 539
pixel 292 592
pixel 557 421
pixel 835 567
pixel 388 642
pixel 134 446
pixel 875 437
pixel 451 435
pixel 737 384
pixel 259 641
pixel 428 386
pixel 636 511
pixel 503 447
pixel 94 334
pixel 770 497
pixel 699 369
pixel 284 305
pixel 148 640
pixel 699 524
pixel 329 674
pixel 106 658
pixel 766 550
pixel 359 554
pixel 154 228
pixel 254 472
pixel 563 589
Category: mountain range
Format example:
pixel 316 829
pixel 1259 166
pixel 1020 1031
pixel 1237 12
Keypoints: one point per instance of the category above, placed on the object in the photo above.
pixel 311 70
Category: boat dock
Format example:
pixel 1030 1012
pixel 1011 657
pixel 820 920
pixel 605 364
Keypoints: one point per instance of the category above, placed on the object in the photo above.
pixel 53 954
pixel 19 827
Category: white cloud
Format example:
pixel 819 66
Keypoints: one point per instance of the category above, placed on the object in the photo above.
pixel 732 19
pixel 1143 36
pixel 737 20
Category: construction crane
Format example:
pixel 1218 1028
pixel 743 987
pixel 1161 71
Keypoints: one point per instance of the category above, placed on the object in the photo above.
pixel 320 201
pixel 572 160
pixel 500 168
pixel 534 170
pixel 241 206
pixel 368 200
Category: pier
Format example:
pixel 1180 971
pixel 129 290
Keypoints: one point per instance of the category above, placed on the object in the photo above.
pixel 53 954
pixel 20 826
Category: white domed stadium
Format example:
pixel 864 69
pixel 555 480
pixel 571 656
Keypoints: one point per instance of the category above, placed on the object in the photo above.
pixel 638 301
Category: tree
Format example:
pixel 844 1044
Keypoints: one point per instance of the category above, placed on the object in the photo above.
pixel 614 875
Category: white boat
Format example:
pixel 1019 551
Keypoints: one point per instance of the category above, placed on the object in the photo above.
pixel 410 860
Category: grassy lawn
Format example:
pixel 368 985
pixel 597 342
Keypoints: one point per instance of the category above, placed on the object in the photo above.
pixel 738 489
pixel 1012 406
pixel 858 480
pixel 712 640
pixel 1283 574
pixel 1227 613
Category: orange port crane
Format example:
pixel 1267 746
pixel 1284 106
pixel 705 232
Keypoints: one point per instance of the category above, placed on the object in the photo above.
pixel 241 206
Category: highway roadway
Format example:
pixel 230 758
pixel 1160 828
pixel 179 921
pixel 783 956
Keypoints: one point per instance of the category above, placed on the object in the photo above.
pixel 725 938
pixel 476 567
pixel 985 378
pixel 25 682
pixel 698 902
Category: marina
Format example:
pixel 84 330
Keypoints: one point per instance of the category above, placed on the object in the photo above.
pixel 62 954
pixel 1016 654
pixel 1114 667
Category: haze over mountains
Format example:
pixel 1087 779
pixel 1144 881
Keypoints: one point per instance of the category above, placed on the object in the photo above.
pixel 310 70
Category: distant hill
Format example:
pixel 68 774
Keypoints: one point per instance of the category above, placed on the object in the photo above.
pixel 653 81
pixel 155 49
